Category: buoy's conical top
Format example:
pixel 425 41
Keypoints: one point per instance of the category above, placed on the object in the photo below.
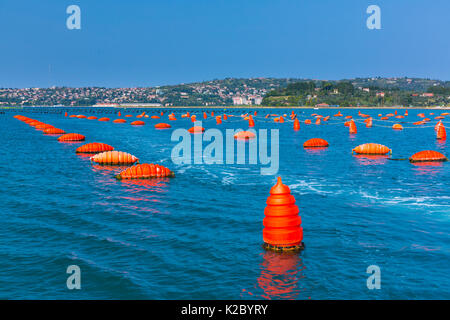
pixel 280 188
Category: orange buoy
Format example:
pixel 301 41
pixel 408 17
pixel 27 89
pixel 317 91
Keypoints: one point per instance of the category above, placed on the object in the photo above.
pixel 244 135
pixel 128 115
pixel 296 124
pixel 369 123
pixel 318 121
pixel 145 171
pixel 225 117
pixel 92 118
pixel 218 119
pixel 251 122
pixel 339 114
pixel 43 126
pixel 119 121
pixel 384 118
pixel 326 118
pixel 445 114
pixel 114 158
pixel 205 116
pixel 439 117
pixel 282 223
pixel 155 117
pixel 441 133
pixel 406 113
pixel 54 131
pixel 193 118
pixel 390 115
pixel 162 126
pixel 399 117
pixel 196 129
pixel 71 137
pixel 307 121
pixel 65 114
pixel 103 119
pixel 212 113
pixel 137 123
pixel 119 114
pixel 94 147
pixel 422 115
pixel 418 123
pixel 371 148
pixel 397 127
pixel 81 116
pixel 352 127
pixel 427 155
pixel 348 117
pixel 315 143
pixel 73 116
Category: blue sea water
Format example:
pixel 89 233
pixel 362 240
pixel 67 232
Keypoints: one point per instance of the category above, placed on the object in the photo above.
pixel 199 235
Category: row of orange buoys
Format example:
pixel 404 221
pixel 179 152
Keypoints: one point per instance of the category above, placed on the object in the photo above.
pixel 104 154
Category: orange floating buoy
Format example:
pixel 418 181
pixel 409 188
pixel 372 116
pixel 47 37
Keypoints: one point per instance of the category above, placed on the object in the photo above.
pixel 251 122
pixel 422 115
pixel 384 118
pixel 427 155
pixel 418 123
pixel 212 113
pixel 380 115
pixel 244 135
pixel 441 133
pixel 326 118
pixel 395 112
pixel 54 131
pixel 205 116
pixel 431 113
pixel 119 114
pixel 371 148
pixel 352 127
pixel 94 147
pixel 145 171
pixel 137 123
pixel 43 126
pixel 128 115
pixel 218 120
pixel 162 126
pixel 369 122
pixel 65 114
pixel 114 158
pixel 282 223
pixel 73 116
pixel 104 119
pixel 339 114
pixel 347 123
pixel 315 143
pixel 196 129
pixel 155 117
pixel 71 137
pixel 225 117
pixel 81 116
pixel 426 119
pixel 445 114
pixel 92 118
pixel 390 115
pixel 119 121
pixel 318 121
pixel 307 121
pixel 296 124
pixel 399 117
pixel 406 113
pixel 193 118
pixel 439 117
pixel 397 127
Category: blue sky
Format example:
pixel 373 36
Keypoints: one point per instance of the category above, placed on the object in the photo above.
pixel 157 42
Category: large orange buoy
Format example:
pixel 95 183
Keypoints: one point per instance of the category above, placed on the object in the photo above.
pixel 439 117
pixel 155 117
pixel 371 148
pixel 103 119
pixel 225 117
pixel 196 129
pixel 119 121
pixel 81 116
pixel 427 155
pixel 369 122
pixel 422 115
pixel 251 122
pixel 296 124
pixel 315 143
pixel 193 118
pixel 307 121
pixel 318 121
pixel 218 120
pixel 205 116
pixel 445 114
pixel 352 127
pixel 65 114
pixel 114 158
pixel 92 118
pixel 145 171
pixel 348 117
pixel 282 223
pixel 244 135
pixel 119 114
pixel 162 126
pixel 406 113
pixel 94 147
pixel 71 137
pixel 137 123
pixel 441 133
pixel 54 131
pixel 397 127
pixel 339 114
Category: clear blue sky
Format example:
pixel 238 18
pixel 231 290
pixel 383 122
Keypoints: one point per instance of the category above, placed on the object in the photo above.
pixel 157 42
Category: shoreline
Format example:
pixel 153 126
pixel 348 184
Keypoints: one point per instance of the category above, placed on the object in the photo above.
pixel 236 107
